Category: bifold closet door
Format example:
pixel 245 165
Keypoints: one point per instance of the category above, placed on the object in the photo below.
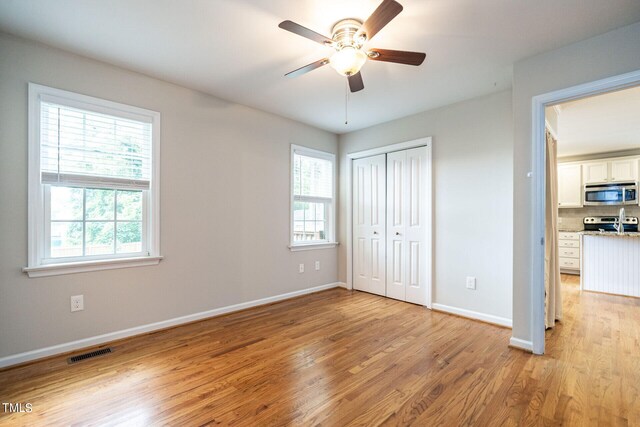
pixel 407 216
pixel 369 224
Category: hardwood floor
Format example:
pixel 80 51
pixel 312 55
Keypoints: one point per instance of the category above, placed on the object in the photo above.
pixel 341 358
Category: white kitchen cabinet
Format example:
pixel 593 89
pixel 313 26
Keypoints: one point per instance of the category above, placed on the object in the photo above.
pixel 570 186
pixel 624 170
pixel 596 172
pixel 618 170
pixel 610 264
pixel 569 249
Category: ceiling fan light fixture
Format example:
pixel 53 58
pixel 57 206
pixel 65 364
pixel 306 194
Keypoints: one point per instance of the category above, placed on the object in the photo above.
pixel 348 60
pixel 348 39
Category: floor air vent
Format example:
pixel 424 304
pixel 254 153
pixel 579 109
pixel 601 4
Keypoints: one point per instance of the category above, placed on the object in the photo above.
pixel 89 355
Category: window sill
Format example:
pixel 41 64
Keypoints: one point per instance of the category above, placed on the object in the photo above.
pixel 85 266
pixel 311 246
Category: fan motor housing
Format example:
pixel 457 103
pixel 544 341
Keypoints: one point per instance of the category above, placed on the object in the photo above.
pixel 344 34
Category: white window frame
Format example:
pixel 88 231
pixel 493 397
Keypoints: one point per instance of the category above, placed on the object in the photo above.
pixel 331 214
pixel 39 194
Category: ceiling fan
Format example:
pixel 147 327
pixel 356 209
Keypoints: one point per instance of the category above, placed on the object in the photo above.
pixel 348 39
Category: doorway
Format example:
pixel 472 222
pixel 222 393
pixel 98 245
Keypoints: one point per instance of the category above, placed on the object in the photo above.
pixel 539 226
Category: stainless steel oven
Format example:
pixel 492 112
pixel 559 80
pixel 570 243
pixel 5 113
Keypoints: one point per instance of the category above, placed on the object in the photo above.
pixel 622 193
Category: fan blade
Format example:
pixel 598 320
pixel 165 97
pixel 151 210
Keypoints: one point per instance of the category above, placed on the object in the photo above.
pixel 380 17
pixel 304 32
pixel 398 56
pixel 307 68
pixel 355 82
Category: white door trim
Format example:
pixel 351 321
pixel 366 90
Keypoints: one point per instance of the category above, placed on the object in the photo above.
pixel 538 184
pixel 421 142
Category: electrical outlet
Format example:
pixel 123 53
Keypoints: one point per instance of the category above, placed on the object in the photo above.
pixel 77 303
pixel 471 282
pixel 301 268
pixel 317 265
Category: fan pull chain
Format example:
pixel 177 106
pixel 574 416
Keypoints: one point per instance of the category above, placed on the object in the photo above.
pixel 346 102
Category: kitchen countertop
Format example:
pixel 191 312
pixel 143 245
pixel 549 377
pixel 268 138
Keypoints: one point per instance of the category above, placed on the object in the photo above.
pixel 610 233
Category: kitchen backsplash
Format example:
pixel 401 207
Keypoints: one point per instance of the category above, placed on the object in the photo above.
pixel 571 219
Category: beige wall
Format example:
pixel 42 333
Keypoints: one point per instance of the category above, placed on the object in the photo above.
pixel 607 55
pixel 473 197
pixel 224 207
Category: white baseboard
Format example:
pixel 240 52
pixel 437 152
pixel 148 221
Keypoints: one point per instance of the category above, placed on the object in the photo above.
pixel 521 344
pixel 342 285
pixel 137 330
pixel 489 318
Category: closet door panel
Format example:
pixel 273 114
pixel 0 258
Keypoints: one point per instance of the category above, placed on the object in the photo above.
pixel 378 217
pixel 414 264
pixel 361 279
pixel 396 223
pixel 368 224
pixel 416 226
pixel 360 267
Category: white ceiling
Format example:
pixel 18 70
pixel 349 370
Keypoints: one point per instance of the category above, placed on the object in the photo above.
pixel 234 49
pixel 600 124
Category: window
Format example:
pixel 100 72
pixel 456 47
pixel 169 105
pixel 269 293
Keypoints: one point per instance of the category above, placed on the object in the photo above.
pixel 312 198
pixel 93 183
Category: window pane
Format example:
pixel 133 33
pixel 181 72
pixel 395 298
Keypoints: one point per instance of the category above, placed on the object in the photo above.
pixel 66 239
pixel 296 174
pixel 77 141
pixel 320 209
pixel 298 211
pixel 310 212
pixel 129 237
pixel 298 231
pixel 320 230
pixel 130 205
pixel 309 228
pixel 100 204
pixel 99 238
pixel 316 177
pixel 66 203
pixel 309 221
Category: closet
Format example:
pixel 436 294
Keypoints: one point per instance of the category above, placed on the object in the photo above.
pixel 391 224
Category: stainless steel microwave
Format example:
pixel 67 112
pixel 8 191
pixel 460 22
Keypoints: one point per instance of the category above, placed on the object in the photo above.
pixel 621 193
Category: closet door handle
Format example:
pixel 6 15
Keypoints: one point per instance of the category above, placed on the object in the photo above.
pixel 375 232
pixel 397 233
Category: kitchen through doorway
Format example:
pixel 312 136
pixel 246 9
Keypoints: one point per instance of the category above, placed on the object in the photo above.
pixel 592 241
